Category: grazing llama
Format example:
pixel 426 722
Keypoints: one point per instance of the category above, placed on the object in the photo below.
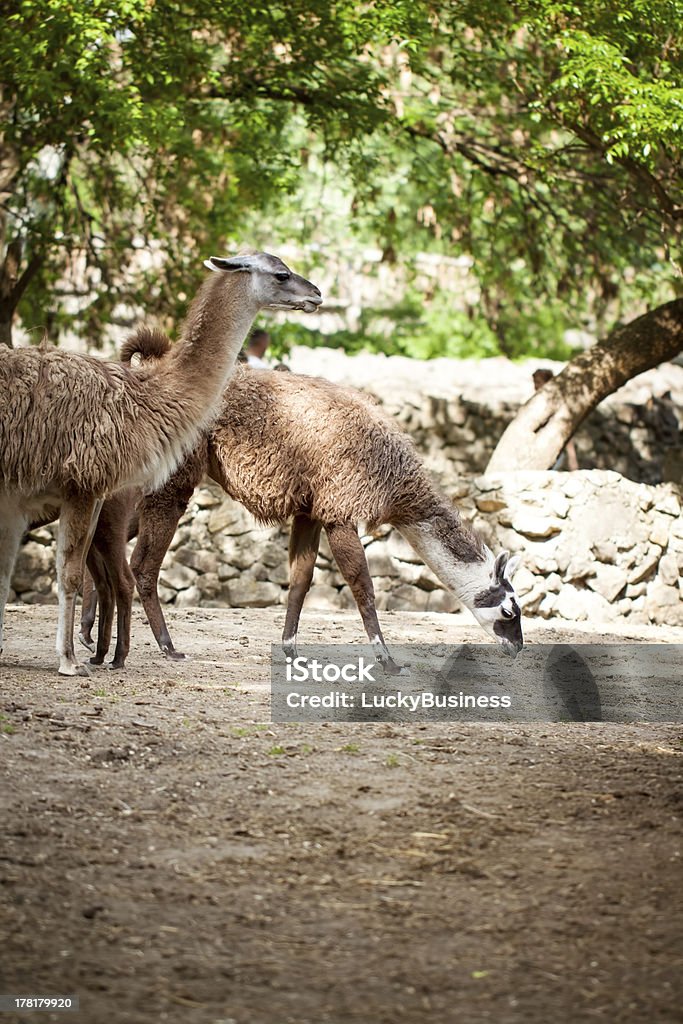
pixel 74 429
pixel 293 447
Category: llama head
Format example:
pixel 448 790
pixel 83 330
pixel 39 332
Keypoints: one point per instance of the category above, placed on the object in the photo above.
pixel 273 285
pixel 496 607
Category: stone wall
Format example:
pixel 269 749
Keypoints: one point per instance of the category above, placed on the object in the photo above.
pixel 596 546
pixel 642 443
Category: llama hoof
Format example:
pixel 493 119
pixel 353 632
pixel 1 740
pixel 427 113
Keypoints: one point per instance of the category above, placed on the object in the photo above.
pixel 87 642
pixel 176 655
pixel 114 665
pixel 392 669
pixel 73 668
pixel 97 660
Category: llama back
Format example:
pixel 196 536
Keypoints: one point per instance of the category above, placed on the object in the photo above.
pixel 286 443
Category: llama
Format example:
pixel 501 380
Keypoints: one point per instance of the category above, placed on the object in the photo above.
pixel 293 447
pixel 74 429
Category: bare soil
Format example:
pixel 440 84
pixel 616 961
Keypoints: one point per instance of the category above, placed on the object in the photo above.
pixel 167 854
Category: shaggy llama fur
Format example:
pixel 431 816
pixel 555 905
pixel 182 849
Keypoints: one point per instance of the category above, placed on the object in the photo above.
pixel 289 446
pixel 74 429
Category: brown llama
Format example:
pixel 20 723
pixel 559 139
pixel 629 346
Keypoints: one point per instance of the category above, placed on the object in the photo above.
pixel 289 446
pixel 74 429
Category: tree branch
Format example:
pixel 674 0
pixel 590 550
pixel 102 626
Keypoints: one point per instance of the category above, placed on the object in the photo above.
pixel 545 423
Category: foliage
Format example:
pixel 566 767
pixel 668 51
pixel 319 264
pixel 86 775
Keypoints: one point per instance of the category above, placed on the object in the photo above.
pixel 430 331
pixel 546 143
pixel 542 139
pixel 138 134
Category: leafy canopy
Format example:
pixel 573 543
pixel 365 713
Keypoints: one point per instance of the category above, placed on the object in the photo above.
pixel 541 140
pixel 545 140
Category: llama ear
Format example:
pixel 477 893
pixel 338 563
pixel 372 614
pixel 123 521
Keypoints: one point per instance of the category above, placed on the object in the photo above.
pixel 228 264
pixel 499 566
pixel 512 567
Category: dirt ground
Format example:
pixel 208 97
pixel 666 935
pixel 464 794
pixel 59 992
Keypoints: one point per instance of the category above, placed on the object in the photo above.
pixel 167 854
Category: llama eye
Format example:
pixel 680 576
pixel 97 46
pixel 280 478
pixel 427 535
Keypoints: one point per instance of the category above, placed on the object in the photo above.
pixel 507 614
pixel 282 276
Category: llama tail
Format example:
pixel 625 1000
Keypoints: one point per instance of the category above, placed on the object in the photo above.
pixel 145 342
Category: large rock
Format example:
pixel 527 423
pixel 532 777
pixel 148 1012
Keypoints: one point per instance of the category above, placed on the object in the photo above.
pixel 204 561
pixel 248 593
pixel 664 604
pixel 661 530
pixel 229 517
pixel 399 548
pixel 34 560
pixel 669 503
pixel 380 562
pixel 579 605
pixel 534 524
pixel 324 597
pixel 177 576
pixel 646 566
pixel 243 550
pixel 442 601
pixel 406 598
pixel 609 581
pixel 189 598
pixel 669 572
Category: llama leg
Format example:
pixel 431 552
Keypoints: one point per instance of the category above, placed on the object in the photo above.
pixel 12 526
pixel 124 587
pixel 114 582
pixel 349 555
pixel 104 587
pixel 304 541
pixel 155 535
pixel 112 577
pixel 88 612
pixel 77 522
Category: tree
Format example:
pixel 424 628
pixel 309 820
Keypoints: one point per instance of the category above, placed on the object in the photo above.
pixel 549 136
pixel 136 135
pixel 541 139
pixel 545 141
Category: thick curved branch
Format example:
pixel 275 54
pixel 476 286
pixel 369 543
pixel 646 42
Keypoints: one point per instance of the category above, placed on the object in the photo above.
pixel 543 426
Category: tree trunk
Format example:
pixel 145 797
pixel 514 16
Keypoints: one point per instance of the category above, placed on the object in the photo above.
pixel 542 427
pixel 13 285
pixel 5 330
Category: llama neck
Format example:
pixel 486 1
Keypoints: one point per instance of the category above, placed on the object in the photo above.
pixel 452 551
pixel 216 327
pixel 184 391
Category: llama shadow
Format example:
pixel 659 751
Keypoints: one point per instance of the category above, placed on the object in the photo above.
pixel 568 679
pixel 567 690
pixel 473 670
pixel 464 666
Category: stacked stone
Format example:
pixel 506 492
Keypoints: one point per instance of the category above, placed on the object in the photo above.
pixel 595 546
